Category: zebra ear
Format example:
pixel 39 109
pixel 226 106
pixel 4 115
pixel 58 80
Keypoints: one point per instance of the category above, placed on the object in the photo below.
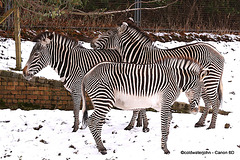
pixel 44 38
pixel 130 22
pixel 51 36
pixel 47 40
pixel 124 24
pixel 204 72
pixel 122 27
pixel 131 19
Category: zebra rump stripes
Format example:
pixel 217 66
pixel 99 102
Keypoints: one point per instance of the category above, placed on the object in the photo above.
pixel 134 87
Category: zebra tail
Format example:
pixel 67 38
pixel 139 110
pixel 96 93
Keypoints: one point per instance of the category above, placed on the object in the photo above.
pixel 84 120
pixel 220 90
pixel 84 108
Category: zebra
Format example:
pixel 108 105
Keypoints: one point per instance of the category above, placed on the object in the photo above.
pixel 109 40
pixel 135 86
pixel 136 47
pixel 69 59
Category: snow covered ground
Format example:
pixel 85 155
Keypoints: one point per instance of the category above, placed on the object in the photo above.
pixel 47 134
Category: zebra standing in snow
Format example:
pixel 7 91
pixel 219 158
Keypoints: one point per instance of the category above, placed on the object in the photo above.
pixel 135 86
pixel 135 47
pixel 69 59
pixel 111 40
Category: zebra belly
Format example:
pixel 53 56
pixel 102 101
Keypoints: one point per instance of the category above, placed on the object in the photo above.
pixel 133 102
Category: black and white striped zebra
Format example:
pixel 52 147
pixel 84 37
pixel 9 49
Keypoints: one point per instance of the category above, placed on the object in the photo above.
pixel 134 86
pixel 69 59
pixel 110 40
pixel 136 47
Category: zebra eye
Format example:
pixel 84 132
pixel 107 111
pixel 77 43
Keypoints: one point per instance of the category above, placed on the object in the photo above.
pixel 36 53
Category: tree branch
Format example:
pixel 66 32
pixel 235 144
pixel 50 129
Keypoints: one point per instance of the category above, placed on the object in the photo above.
pixel 82 13
pixel 140 2
pixel 120 11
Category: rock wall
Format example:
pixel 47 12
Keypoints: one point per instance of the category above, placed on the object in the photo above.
pixel 16 92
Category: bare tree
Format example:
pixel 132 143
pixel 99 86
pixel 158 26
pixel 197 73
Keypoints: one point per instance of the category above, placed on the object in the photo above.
pixel 39 8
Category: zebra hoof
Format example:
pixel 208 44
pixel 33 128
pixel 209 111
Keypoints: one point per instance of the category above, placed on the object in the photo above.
pixel 210 127
pixel 166 151
pixel 145 130
pixel 199 125
pixel 128 128
pixel 75 128
pixel 103 151
pixel 139 125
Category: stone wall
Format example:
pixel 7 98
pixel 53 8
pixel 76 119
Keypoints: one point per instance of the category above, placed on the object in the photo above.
pixel 49 94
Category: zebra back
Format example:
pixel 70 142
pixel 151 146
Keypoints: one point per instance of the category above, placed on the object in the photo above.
pixel 139 78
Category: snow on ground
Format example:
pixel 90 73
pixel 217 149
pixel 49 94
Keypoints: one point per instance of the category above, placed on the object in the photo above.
pixel 47 134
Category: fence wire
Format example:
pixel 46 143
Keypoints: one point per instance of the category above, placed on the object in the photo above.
pixel 185 15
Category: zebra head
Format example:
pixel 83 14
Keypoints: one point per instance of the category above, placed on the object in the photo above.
pixel 128 32
pixel 108 40
pixel 39 57
pixel 127 39
pixel 194 94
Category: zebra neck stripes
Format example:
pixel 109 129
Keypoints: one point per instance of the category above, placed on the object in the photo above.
pixel 70 60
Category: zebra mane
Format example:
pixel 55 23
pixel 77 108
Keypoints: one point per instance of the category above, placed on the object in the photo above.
pixel 112 32
pixel 132 25
pixel 42 36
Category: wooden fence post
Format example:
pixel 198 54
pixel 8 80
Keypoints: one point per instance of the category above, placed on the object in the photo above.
pixel 17 36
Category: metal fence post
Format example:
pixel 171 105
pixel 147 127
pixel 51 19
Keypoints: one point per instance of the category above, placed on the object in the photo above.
pixel 137 13
pixel 9 6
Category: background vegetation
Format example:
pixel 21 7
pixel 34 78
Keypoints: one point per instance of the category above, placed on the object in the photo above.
pixel 87 16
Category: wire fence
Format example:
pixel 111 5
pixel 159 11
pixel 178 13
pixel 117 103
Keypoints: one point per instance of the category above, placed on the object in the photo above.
pixel 183 16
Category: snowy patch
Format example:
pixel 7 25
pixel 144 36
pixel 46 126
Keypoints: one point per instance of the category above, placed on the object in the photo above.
pixel 46 134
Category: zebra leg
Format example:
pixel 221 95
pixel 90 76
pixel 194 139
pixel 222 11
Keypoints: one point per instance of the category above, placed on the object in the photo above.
pixel 139 119
pixel 76 96
pixel 131 124
pixel 145 120
pixel 207 103
pixel 103 102
pixel 95 123
pixel 213 99
pixel 214 93
pixel 201 121
pixel 165 124
pixel 215 107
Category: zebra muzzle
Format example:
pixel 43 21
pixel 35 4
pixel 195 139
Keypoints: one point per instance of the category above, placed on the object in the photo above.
pixel 194 110
pixel 26 74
